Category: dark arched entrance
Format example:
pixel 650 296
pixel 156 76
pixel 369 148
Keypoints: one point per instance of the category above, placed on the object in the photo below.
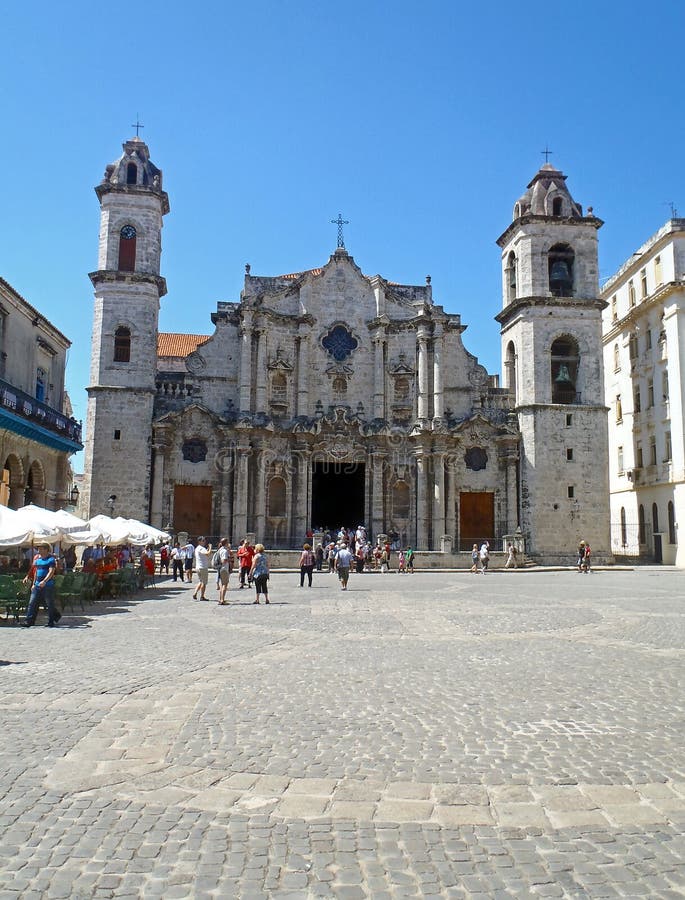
pixel 337 494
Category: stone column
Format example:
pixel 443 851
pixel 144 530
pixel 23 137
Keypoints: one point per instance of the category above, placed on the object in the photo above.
pixel 378 377
pixel 303 370
pixel 377 494
pixel 246 362
pixel 260 398
pixel 240 491
pixel 260 495
pixel 421 500
pixel 302 491
pixel 451 493
pixel 438 461
pixel 511 477
pixel 157 500
pixel 438 400
pixel 423 375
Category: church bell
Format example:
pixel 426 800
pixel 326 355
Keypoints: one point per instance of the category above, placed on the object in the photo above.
pixel 560 272
pixel 563 376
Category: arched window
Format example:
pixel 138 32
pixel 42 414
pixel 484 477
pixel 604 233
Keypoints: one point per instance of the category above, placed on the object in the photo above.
pixel 510 367
pixel 127 249
pixel 641 525
pixel 624 530
pixel 131 173
pixel 565 361
pixel 557 206
pixel 655 518
pixel 671 523
pixel 510 276
pixel 339 388
pixel 400 500
pixel 560 261
pixel 631 294
pixel 277 498
pixel 617 358
pixel 122 345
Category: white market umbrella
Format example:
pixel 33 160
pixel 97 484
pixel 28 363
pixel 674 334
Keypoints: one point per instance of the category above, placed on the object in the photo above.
pixel 146 534
pixel 40 523
pixel 13 530
pixel 112 531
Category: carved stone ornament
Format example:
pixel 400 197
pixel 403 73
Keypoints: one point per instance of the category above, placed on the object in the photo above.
pixel 194 450
pixel 478 376
pixel 476 459
pixel 195 362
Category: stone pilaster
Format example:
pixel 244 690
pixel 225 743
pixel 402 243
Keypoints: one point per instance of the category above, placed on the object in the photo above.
pixel 246 362
pixel 438 461
pixel 378 524
pixel 438 399
pixel 303 371
pixel 421 499
pixel 378 377
pixel 241 491
pixel 422 406
pixel 260 397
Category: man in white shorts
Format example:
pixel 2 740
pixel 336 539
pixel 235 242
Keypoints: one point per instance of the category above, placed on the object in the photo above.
pixel 202 557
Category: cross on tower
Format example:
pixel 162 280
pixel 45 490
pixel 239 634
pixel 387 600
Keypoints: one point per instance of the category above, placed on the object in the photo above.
pixel 137 126
pixel 340 222
pixel 546 153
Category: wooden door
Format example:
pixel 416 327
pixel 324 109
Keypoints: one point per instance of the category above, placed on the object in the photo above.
pixel 476 518
pixel 193 509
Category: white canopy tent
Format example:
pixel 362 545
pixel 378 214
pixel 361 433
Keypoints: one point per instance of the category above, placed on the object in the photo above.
pixel 13 528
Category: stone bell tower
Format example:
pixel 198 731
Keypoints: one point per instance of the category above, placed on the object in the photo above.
pixel 128 288
pixel 552 362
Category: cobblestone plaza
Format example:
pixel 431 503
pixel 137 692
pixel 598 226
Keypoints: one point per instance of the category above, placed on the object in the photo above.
pixel 435 735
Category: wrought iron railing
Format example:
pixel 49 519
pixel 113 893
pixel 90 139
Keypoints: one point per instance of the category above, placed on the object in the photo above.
pixel 27 407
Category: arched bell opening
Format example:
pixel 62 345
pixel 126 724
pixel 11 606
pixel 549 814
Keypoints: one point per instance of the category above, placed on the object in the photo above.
pixel 510 276
pixel 564 370
pixel 560 263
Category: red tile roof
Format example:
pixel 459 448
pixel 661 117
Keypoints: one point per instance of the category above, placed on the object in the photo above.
pixel 179 344
pixel 294 275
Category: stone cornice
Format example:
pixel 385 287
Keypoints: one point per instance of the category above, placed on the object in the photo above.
pixel 633 316
pixel 112 276
pixel 133 190
pixel 530 218
pixel 549 302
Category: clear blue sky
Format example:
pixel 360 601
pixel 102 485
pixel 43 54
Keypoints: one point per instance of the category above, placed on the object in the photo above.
pixel 421 122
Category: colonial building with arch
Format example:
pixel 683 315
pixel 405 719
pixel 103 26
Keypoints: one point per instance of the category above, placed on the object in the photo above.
pixel 38 433
pixel 333 397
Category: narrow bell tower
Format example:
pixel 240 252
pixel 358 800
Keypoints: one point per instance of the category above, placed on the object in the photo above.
pixel 552 363
pixel 128 288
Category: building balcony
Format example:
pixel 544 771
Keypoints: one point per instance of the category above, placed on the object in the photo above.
pixel 23 414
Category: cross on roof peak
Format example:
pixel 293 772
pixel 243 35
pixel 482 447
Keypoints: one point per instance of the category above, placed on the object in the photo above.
pixel 340 222
pixel 137 126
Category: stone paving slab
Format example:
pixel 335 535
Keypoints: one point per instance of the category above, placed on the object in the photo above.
pixel 464 737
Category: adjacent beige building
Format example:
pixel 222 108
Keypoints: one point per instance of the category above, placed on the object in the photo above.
pixel 333 397
pixel 644 362
pixel 38 433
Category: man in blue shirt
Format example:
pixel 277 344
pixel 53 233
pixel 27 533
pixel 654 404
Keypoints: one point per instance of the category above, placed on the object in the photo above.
pixel 43 589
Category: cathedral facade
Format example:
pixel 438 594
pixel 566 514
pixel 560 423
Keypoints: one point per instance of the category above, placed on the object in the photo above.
pixel 331 397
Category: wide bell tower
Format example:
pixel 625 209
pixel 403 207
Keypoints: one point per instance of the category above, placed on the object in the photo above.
pixel 128 288
pixel 552 363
